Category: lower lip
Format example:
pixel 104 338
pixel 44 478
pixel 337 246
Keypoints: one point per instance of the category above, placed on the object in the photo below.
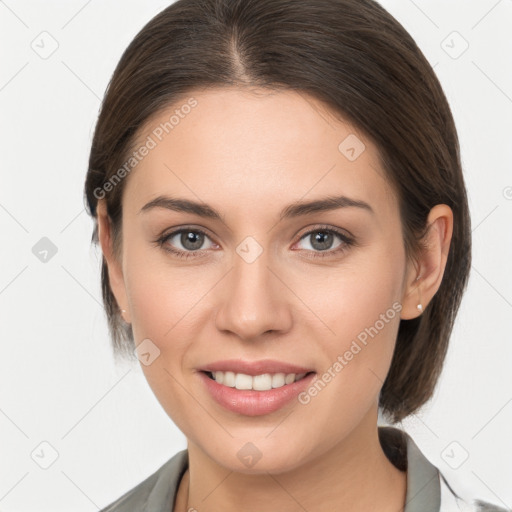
pixel 254 403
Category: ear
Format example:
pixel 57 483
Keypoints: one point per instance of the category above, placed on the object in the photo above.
pixel 115 271
pixel 425 273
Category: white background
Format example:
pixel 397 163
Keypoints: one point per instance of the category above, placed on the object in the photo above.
pixel 58 381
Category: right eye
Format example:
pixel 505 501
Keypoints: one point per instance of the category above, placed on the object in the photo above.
pixel 190 239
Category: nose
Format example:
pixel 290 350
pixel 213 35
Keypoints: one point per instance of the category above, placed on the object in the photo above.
pixel 253 300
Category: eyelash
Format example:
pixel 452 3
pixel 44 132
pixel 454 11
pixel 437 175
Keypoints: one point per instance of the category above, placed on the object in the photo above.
pixel 347 242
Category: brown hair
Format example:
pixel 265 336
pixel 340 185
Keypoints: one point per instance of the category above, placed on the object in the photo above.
pixel 357 59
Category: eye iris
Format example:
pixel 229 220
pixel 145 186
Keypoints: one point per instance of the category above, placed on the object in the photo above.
pixel 324 238
pixel 190 237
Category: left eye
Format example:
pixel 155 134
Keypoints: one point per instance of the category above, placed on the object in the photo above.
pixel 321 240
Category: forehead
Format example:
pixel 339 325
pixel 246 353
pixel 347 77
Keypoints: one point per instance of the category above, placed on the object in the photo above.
pixel 231 146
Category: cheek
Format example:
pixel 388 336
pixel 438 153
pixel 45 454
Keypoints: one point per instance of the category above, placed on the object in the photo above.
pixel 359 307
pixel 165 298
pixel 164 303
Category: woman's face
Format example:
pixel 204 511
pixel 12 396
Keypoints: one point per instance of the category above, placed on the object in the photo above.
pixel 262 285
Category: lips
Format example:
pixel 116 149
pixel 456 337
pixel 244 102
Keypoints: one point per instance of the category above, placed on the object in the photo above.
pixel 249 402
pixel 255 367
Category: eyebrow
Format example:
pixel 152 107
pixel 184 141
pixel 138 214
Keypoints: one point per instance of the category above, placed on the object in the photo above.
pixel 293 210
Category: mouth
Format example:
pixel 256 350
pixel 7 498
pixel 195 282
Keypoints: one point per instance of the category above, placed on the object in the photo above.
pixel 258 394
pixel 261 382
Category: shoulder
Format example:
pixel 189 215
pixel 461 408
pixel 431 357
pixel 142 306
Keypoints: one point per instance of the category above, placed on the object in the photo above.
pixel 156 492
pixel 483 506
pixel 427 487
pixel 455 501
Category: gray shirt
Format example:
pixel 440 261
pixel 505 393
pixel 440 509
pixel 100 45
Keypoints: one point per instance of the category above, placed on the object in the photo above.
pixel 427 489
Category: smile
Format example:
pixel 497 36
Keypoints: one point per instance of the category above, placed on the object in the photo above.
pixel 262 382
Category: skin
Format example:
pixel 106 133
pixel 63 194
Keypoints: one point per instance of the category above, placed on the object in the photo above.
pixel 249 156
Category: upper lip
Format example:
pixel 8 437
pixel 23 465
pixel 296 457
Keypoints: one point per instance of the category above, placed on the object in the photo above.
pixel 255 367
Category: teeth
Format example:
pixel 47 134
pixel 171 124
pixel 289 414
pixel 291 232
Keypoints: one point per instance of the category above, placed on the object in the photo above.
pixel 263 382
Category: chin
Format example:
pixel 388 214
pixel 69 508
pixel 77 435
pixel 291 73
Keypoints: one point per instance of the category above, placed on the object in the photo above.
pixel 253 458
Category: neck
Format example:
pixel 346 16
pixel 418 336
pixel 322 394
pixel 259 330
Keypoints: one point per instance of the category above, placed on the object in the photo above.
pixel 355 472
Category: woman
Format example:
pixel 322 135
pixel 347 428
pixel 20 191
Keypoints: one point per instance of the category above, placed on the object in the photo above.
pixel 282 212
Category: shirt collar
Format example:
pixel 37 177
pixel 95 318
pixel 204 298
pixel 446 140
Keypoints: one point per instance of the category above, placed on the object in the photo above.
pixel 423 482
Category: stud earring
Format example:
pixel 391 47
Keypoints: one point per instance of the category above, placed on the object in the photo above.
pixel 122 316
pixel 419 307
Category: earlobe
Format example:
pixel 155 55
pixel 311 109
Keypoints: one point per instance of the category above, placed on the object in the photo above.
pixel 115 272
pixel 413 303
pixel 425 277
